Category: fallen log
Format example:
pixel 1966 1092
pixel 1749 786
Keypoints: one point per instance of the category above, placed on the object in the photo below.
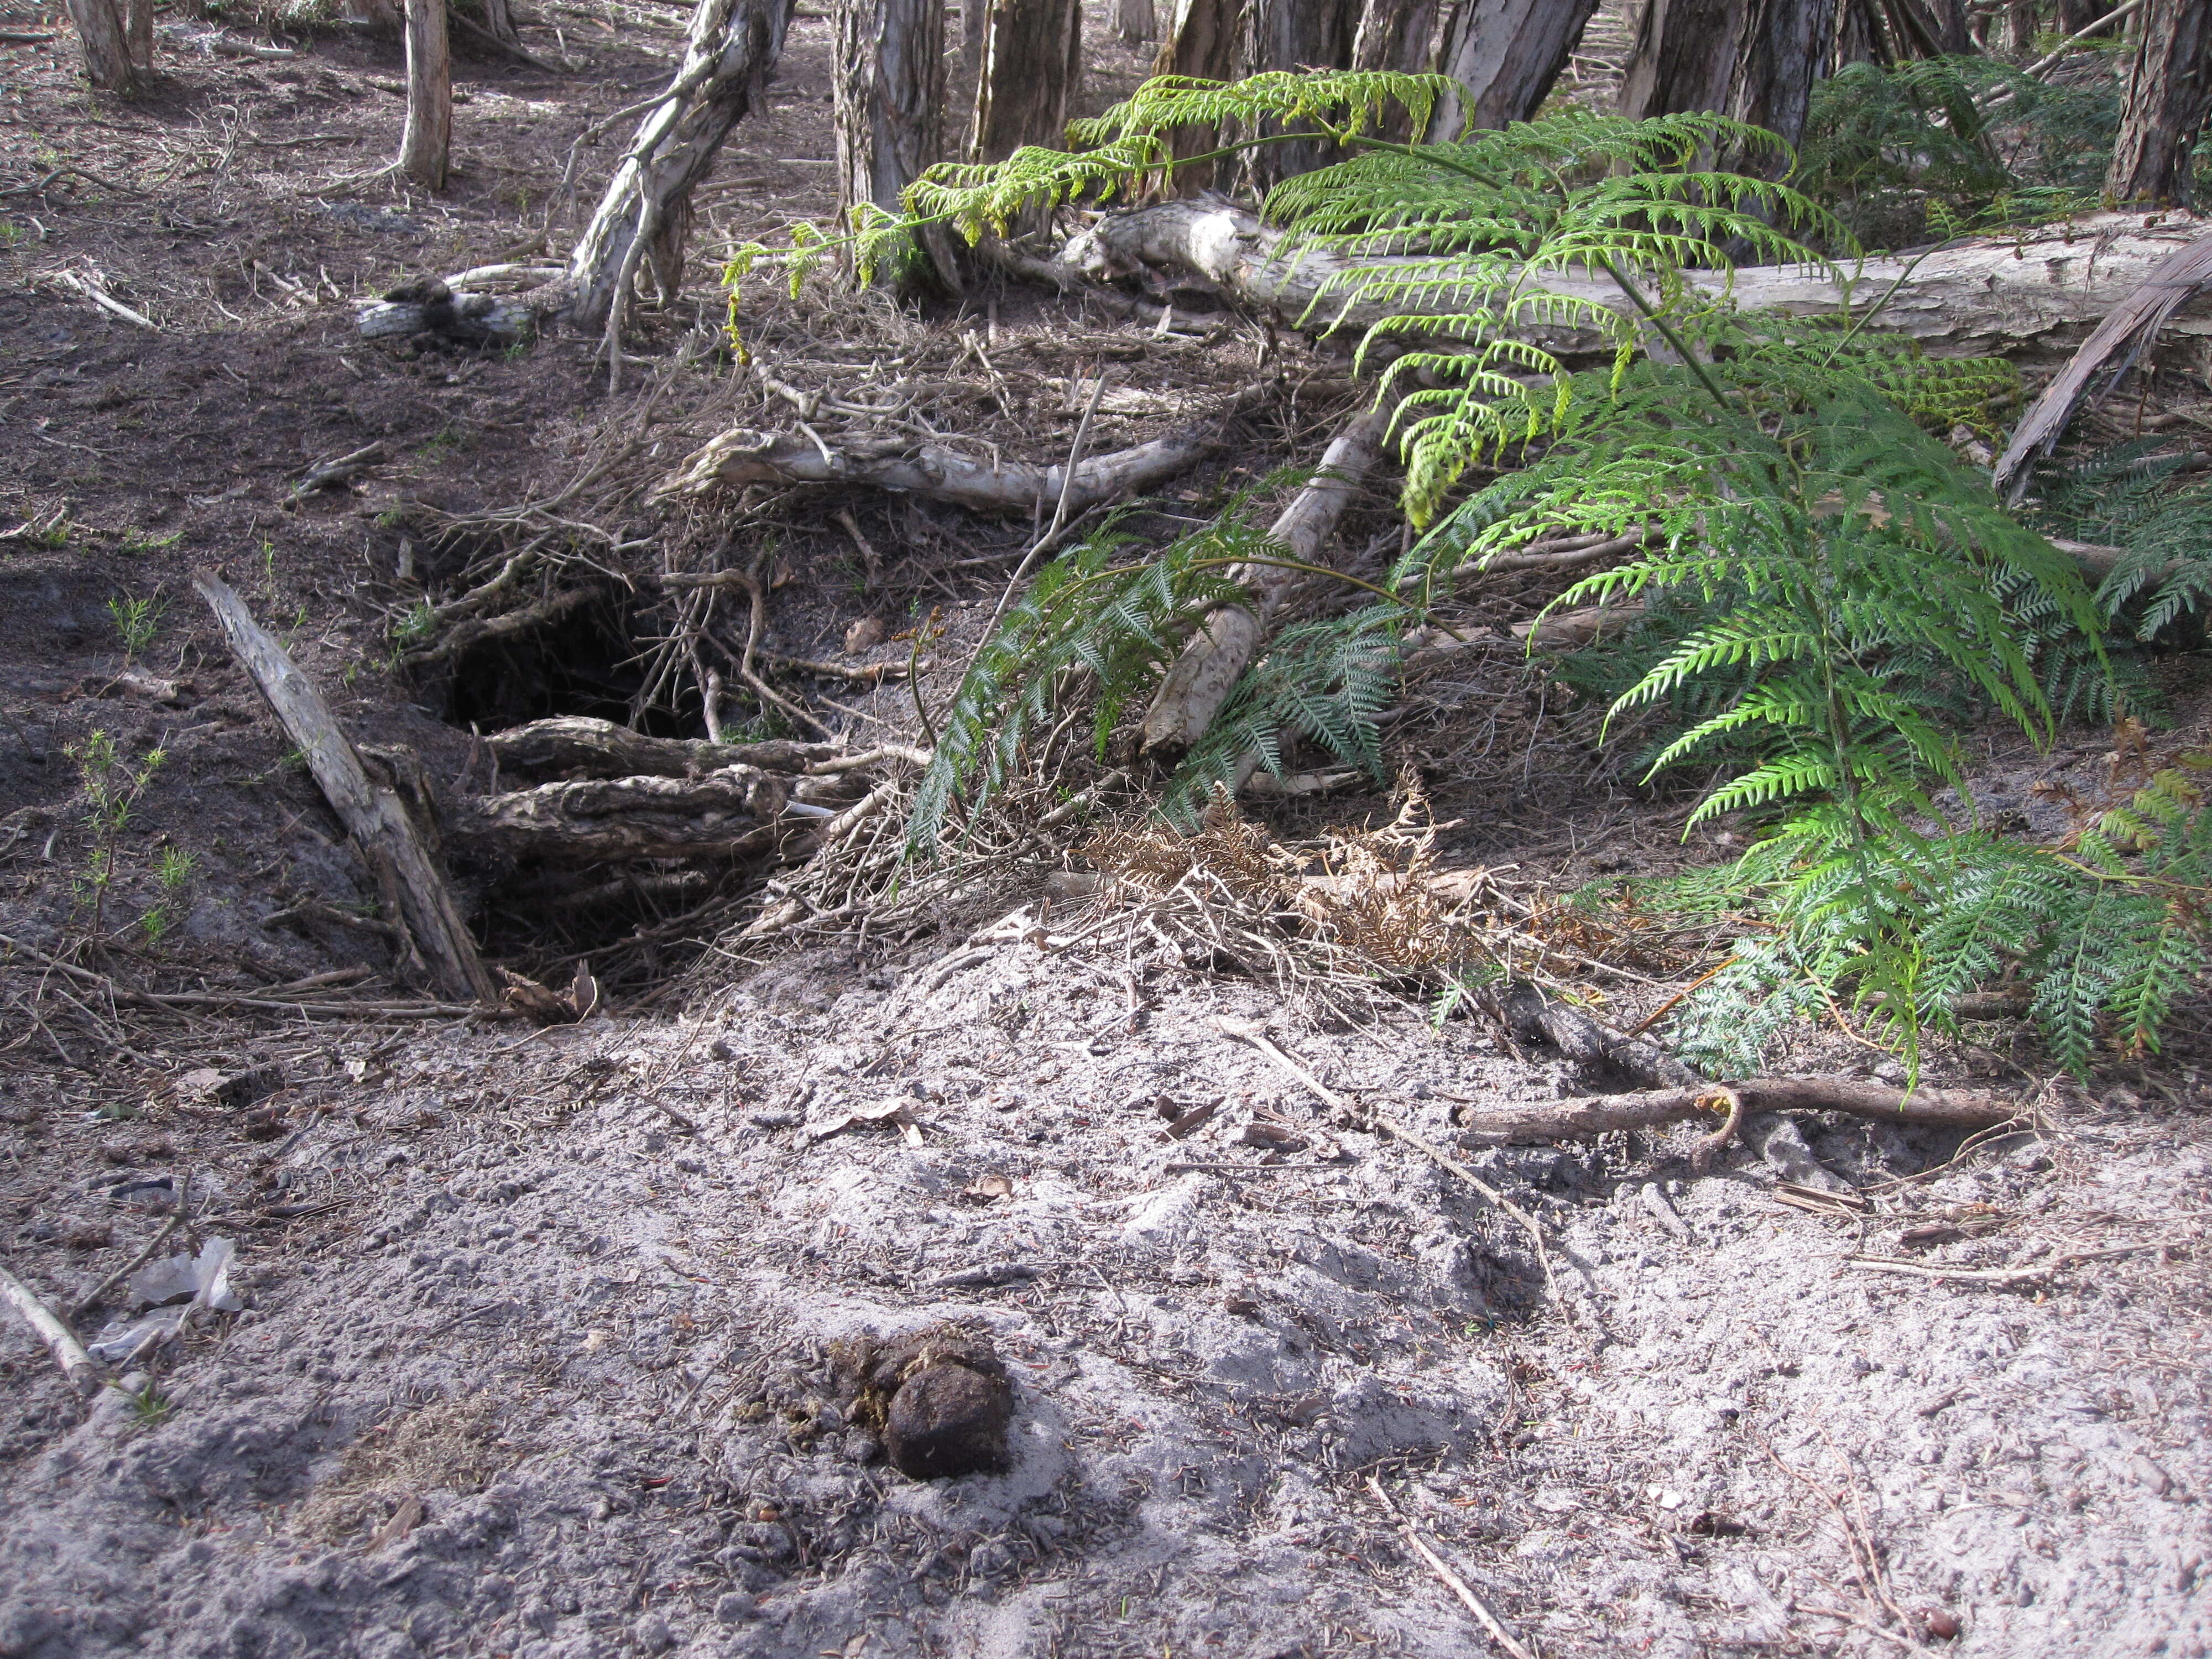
pixel 736 812
pixel 1584 1117
pixel 387 838
pixel 743 456
pixel 1205 671
pixel 2023 293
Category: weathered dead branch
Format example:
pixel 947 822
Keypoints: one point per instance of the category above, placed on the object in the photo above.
pixel 732 813
pixel 1206 670
pixel 1582 1118
pixel 575 746
pixel 744 456
pixel 385 835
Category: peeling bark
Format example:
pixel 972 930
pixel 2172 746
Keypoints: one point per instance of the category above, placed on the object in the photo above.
pixel 101 35
pixel 2167 96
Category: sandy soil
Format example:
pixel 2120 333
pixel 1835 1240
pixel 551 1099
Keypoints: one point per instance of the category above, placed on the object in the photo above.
pixel 536 1354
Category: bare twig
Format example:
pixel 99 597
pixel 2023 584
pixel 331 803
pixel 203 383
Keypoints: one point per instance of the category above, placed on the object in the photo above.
pixel 1458 1586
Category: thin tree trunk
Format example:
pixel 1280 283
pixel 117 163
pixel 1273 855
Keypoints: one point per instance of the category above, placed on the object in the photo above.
pixel 138 33
pixel 1204 41
pixel 729 57
pixel 890 95
pixel 1135 21
pixel 1860 36
pixel 1298 34
pixel 1755 60
pixel 426 147
pixel 101 33
pixel 499 22
pixel 1032 64
pixel 2168 95
pixel 1508 54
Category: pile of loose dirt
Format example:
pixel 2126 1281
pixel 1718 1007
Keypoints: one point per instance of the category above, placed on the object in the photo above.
pixel 550 1367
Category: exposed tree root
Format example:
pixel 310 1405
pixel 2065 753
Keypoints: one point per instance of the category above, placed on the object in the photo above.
pixel 744 456
pixel 1580 1119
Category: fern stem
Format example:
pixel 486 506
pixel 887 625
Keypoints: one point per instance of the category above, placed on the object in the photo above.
pixel 1666 331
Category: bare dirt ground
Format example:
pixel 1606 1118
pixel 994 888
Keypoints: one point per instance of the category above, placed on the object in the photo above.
pixel 537 1353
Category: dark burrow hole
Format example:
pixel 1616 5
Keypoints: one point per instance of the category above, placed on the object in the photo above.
pixel 587 662
pixel 626 917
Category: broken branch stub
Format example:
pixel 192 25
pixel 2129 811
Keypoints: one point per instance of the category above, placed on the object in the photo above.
pixel 389 841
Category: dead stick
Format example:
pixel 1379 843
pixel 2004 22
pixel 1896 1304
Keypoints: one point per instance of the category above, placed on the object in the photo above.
pixel 1399 1132
pixel 69 1353
pixel 1474 1603
pixel 90 1300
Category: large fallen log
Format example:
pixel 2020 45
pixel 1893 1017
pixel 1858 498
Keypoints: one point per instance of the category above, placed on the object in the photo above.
pixel 743 456
pixel 2022 294
pixel 386 836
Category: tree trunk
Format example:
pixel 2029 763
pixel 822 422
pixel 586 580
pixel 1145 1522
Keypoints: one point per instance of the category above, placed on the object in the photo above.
pixel 1135 21
pixel 1298 34
pixel 1507 53
pixel 1755 60
pixel 138 33
pixel 730 56
pixel 101 33
pixel 426 147
pixel 499 22
pixel 1396 34
pixel 890 91
pixel 1861 35
pixel 1204 41
pixel 1032 64
pixel 2169 93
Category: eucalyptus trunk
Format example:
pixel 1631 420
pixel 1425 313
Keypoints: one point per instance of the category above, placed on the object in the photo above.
pixel 1755 60
pixel 1204 39
pixel 101 35
pixel 2163 108
pixel 1507 53
pixel 1032 64
pixel 426 146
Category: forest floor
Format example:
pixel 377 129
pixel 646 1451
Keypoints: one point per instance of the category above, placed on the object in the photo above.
pixel 537 1357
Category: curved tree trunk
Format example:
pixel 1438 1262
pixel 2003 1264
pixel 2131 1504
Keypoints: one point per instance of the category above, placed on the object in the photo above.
pixel 730 55
pixel 2168 95
pixel 101 33
pixel 426 147
pixel 1032 64
pixel 1507 53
